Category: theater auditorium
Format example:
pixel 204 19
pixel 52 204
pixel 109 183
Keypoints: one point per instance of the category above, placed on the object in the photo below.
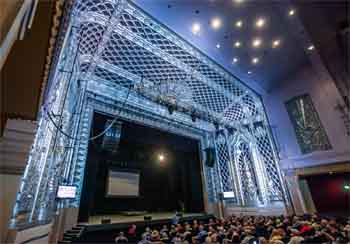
pixel 175 121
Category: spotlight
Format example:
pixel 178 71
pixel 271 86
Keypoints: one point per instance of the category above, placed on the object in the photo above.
pixel 311 47
pixel 216 23
pixel 193 117
pixel 239 23
pixel 255 60
pixel 291 12
pixel 238 44
pixel 171 108
pixel 218 45
pixel 161 157
pixel 256 42
pixel 235 60
pixel 260 23
pixel 276 43
pixel 196 28
pixel 216 125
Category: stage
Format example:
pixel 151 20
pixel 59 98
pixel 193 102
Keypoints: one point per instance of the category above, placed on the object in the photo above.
pixel 130 217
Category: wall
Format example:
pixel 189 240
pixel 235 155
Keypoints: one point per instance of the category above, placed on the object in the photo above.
pixel 333 199
pixel 316 82
pixel 9 186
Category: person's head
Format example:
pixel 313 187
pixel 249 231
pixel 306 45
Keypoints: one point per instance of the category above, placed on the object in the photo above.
pixel 155 235
pixel 121 234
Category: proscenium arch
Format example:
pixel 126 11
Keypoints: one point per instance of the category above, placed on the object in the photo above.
pixel 112 107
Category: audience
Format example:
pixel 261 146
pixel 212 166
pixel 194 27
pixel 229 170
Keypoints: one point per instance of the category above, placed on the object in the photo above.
pixel 250 230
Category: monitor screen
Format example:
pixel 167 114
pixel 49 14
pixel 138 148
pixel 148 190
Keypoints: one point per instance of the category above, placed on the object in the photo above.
pixel 123 183
pixel 229 194
pixel 66 191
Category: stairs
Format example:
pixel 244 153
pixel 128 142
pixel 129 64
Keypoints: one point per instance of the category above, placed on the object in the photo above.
pixel 72 235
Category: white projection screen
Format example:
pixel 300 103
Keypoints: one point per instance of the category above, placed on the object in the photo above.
pixel 122 183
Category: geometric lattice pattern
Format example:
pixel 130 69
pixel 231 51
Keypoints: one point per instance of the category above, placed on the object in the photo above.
pixel 223 164
pixel 311 135
pixel 140 47
pixel 274 181
pixel 248 175
pixel 119 48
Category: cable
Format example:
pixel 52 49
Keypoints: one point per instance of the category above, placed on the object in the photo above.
pixel 103 132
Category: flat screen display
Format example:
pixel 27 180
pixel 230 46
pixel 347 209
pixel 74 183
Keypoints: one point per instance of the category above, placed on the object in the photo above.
pixel 123 183
pixel 229 194
pixel 66 191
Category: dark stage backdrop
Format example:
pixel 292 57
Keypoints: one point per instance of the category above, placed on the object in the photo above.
pixel 328 193
pixel 164 186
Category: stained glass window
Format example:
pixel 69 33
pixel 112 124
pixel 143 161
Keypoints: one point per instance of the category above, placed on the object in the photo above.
pixel 309 131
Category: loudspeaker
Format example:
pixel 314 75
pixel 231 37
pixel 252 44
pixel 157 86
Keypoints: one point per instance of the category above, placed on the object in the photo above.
pixel 210 155
pixel 105 221
pixel 147 218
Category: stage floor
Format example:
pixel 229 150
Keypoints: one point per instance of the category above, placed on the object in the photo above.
pixel 123 218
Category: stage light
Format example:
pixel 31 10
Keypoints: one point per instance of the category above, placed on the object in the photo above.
pixel 311 47
pixel 260 23
pixel 346 187
pixel 276 43
pixel 256 42
pixel 239 23
pixel 171 109
pixel 291 12
pixel 238 44
pixel 161 157
pixel 218 45
pixel 249 72
pixel 193 117
pixel 196 28
pixel 215 23
pixel 235 60
pixel 255 60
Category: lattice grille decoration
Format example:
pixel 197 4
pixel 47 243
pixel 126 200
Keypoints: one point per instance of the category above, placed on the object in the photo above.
pixel 265 149
pixel 118 44
pixel 223 161
pixel 248 176
pixel 143 49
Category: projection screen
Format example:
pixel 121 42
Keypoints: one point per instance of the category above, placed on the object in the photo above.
pixel 122 183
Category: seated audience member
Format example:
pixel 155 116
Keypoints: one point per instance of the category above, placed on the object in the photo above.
pixel 132 231
pixel 121 238
pixel 253 230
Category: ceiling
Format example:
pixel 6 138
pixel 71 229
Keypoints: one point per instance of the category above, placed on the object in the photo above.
pixel 274 64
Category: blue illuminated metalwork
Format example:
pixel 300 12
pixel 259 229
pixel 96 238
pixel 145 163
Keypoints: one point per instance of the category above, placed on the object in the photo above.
pixel 118 60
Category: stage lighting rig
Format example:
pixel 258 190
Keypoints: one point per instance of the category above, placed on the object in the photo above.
pixel 193 117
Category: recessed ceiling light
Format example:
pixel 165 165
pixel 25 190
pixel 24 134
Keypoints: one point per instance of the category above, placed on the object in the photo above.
pixel 256 42
pixel 238 1
pixel 235 60
pixel 311 47
pixel 196 28
pixel 291 12
pixel 260 22
pixel 239 23
pixel 255 60
pixel 276 43
pixel 218 45
pixel 216 23
pixel 238 44
pixel 249 72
